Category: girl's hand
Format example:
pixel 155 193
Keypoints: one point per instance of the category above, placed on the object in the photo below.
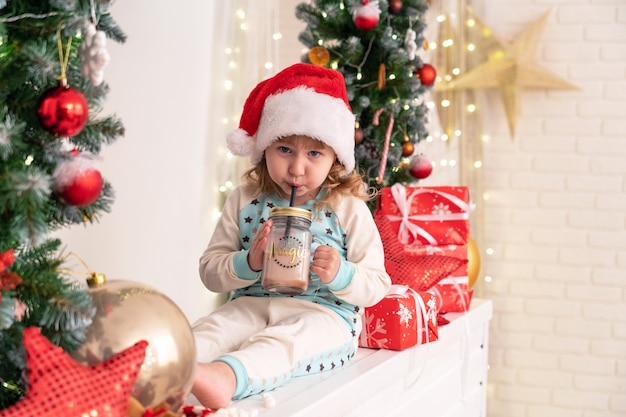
pixel 256 254
pixel 326 263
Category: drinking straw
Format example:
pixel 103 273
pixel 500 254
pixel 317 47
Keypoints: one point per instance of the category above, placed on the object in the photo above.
pixel 292 200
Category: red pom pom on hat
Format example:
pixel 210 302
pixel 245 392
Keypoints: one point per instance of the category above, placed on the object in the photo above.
pixel 302 99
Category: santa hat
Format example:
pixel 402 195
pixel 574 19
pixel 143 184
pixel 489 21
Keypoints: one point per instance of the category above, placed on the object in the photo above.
pixel 302 99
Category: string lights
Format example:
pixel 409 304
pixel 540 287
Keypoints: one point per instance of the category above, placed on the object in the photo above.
pixel 250 54
pixel 455 49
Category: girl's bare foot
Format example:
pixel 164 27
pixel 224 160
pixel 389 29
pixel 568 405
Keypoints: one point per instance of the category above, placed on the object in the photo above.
pixel 214 384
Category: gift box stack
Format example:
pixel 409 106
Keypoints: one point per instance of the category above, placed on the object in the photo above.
pixel 425 234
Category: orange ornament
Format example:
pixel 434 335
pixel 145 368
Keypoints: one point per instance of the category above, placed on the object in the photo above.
pixel 318 55
pixel 382 76
pixel 407 148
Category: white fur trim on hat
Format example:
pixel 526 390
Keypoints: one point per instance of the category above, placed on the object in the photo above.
pixel 302 99
pixel 303 111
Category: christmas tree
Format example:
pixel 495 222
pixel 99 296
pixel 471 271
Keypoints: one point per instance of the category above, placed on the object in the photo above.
pixel 52 56
pixel 375 45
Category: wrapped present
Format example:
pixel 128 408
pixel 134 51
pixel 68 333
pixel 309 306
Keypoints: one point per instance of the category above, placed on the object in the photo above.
pixel 427 215
pixel 402 319
pixel 424 231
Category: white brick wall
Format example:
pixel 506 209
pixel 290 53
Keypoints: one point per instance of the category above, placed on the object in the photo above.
pixel 556 219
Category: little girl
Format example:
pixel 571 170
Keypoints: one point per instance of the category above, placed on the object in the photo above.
pixel 298 130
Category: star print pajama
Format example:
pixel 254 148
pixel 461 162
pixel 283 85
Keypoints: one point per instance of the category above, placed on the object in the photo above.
pixel 268 338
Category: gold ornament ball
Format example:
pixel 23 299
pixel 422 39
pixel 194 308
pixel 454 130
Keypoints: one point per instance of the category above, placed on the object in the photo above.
pixel 318 55
pixel 127 312
pixel 473 262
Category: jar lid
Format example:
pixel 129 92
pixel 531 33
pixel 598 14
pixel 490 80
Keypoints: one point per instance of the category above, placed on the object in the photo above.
pixel 291 211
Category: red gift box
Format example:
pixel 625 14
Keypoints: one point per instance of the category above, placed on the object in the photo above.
pixel 402 319
pixel 427 215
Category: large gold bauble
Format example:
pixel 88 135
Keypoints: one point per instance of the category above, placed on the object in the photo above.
pixel 473 262
pixel 128 312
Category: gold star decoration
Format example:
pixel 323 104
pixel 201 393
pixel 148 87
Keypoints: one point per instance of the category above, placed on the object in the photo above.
pixel 508 67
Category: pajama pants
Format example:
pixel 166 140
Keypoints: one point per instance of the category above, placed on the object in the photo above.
pixel 268 340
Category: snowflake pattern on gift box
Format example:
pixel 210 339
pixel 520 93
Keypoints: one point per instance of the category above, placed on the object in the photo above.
pixel 405 315
pixel 441 209
pixel 374 335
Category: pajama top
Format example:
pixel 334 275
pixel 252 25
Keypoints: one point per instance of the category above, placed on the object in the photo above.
pixel 349 227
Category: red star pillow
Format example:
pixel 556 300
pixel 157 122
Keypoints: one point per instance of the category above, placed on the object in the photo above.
pixel 58 386
pixel 420 272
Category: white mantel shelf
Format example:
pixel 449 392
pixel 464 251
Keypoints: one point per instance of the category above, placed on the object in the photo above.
pixel 446 378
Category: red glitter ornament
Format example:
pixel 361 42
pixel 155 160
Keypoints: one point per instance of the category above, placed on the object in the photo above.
pixel 58 386
pixel 77 181
pixel 420 167
pixel 63 111
pixel 427 75
pixel 367 15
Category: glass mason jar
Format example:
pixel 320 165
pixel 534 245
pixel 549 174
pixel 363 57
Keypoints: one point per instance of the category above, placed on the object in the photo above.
pixel 288 251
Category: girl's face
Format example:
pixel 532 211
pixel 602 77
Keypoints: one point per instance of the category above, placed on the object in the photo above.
pixel 301 162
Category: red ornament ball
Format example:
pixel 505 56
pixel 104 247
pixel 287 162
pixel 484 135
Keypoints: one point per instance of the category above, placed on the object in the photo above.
pixel 420 167
pixel 77 182
pixel 63 111
pixel 366 16
pixel 407 148
pixel 395 6
pixel 427 75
